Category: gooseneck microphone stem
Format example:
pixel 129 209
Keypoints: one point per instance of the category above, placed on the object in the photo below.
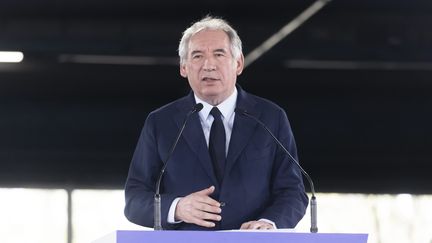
pixel 313 203
pixel 157 197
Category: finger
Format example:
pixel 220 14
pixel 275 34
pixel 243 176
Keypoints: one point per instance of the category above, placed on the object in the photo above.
pixel 203 223
pixel 267 227
pixel 194 216
pixel 209 208
pixel 245 225
pixel 261 225
pixel 207 216
pixel 203 196
pixel 209 201
pixel 254 225
pixel 206 191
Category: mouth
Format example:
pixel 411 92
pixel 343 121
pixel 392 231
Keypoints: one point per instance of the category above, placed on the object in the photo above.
pixel 209 79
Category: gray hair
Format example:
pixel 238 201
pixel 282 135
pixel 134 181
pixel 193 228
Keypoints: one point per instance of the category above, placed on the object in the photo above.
pixel 210 23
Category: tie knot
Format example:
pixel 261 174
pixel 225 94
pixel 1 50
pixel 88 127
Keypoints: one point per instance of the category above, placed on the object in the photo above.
pixel 215 112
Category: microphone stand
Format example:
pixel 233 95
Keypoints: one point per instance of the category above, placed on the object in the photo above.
pixel 157 196
pixel 313 202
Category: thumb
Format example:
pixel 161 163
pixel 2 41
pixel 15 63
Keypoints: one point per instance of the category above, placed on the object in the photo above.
pixel 207 191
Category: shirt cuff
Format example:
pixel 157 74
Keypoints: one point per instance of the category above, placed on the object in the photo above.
pixel 171 212
pixel 269 221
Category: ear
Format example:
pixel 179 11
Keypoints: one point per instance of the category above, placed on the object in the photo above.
pixel 183 70
pixel 240 64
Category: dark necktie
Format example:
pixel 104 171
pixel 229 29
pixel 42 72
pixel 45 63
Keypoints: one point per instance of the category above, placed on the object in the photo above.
pixel 217 144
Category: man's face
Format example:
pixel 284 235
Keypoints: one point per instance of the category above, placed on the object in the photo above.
pixel 210 66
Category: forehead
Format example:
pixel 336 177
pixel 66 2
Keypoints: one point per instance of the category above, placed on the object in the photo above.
pixel 209 40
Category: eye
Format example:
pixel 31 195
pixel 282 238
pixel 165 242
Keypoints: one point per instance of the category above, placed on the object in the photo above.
pixel 197 56
pixel 219 54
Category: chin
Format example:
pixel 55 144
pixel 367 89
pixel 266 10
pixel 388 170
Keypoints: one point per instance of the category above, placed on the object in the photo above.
pixel 212 90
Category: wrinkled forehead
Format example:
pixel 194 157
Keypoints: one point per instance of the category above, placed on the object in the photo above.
pixel 209 40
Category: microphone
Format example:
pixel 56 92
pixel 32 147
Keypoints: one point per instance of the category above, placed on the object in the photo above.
pixel 157 197
pixel 313 203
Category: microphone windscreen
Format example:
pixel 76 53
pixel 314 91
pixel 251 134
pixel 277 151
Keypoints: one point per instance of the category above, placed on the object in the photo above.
pixel 198 107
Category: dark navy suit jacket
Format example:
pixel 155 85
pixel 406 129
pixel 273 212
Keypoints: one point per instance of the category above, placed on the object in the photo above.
pixel 259 181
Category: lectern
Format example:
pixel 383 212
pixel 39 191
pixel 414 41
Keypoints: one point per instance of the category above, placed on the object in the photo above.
pixel 121 236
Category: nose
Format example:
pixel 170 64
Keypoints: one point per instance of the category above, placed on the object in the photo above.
pixel 209 65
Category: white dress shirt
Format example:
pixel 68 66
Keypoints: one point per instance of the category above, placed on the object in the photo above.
pixel 227 109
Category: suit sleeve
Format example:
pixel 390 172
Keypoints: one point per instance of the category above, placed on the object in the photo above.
pixel 288 198
pixel 141 181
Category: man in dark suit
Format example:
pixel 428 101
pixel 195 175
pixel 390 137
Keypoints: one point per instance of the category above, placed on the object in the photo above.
pixel 226 171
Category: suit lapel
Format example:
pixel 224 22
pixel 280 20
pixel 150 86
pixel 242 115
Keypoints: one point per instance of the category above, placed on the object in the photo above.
pixel 194 136
pixel 243 129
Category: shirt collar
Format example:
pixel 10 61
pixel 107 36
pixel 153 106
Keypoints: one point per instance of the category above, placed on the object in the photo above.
pixel 226 107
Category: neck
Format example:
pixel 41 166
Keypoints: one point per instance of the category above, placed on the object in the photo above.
pixel 216 100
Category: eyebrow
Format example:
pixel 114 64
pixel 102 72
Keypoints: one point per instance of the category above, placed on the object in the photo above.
pixel 195 52
pixel 220 50
pixel 217 50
